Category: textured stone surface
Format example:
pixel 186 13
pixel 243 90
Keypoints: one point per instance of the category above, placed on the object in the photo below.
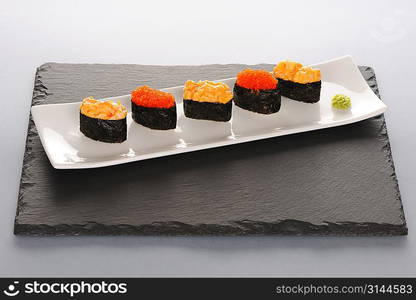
pixel 338 181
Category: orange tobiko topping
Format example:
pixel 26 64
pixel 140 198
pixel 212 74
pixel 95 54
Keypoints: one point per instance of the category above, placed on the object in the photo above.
pixel 256 80
pixel 148 97
pixel 105 110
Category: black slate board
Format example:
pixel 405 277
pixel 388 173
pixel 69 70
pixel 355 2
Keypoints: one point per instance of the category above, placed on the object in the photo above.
pixel 337 181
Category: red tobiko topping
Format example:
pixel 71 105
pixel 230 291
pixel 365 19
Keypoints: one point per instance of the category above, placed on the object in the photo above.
pixel 148 97
pixel 256 80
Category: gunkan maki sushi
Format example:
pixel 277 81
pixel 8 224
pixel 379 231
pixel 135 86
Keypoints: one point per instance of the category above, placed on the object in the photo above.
pixel 207 100
pixel 298 82
pixel 103 121
pixel 153 108
pixel 256 90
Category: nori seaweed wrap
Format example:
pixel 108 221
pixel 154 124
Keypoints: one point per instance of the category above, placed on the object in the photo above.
pixel 153 108
pixel 154 117
pixel 304 92
pixel 257 91
pixel 207 100
pixel 297 82
pixel 208 111
pixel 259 101
pixel 103 121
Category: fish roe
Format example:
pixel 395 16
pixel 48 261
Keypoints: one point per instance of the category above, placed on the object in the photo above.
pixel 148 97
pixel 256 80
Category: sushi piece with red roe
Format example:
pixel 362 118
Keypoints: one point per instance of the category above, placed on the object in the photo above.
pixel 153 108
pixel 256 90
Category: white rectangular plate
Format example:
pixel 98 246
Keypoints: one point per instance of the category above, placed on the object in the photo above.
pixel 68 148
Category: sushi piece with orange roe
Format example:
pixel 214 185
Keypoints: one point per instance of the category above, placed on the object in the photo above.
pixel 257 91
pixel 103 121
pixel 298 82
pixel 207 100
pixel 153 108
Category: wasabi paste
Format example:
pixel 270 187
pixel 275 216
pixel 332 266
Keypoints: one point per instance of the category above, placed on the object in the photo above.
pixel 341 102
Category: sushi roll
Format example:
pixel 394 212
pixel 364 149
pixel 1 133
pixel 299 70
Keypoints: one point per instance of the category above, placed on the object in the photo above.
pixel 153 108
pixel 298 82
pixel 256 90
pixel 103 121
pixel 207 100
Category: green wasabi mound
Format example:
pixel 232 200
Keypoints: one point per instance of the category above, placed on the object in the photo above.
pixel 342 102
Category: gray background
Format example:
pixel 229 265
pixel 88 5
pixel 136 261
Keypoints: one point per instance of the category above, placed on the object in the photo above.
pixel 380 34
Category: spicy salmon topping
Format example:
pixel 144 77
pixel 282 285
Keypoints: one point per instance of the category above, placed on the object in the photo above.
pixel 256 80
pixel 105 110
pixel 307 75
pixel 207 91
pixel 148 97
pixel 286 69
pixel 294 71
